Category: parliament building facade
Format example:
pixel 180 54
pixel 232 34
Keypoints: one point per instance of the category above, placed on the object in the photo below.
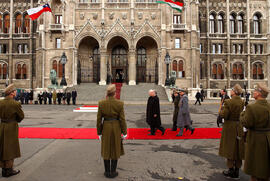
pixel 212 44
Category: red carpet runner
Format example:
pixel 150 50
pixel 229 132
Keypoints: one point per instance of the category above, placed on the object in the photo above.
pixel 118 90
pixel 133 133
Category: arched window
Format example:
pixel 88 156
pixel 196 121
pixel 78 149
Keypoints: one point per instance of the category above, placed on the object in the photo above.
pixel 238 72
pixel 174 68
pixel 232 23
pixel 220 73
pixel 214 71
pixel 257 24
pixel 24 72
pixel 220 24
pixel 6 23
pixel 26 24
pixel 141 57
pixel 240 24
pixel 4 71
pixel 181 72
pixel 18 23
pixel 1 23
pixel 258 71
pixel 212 23
pixel 19 71
pixel 60 70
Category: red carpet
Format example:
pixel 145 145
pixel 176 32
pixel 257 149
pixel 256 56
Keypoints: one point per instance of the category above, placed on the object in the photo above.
pixel 118 89
pixel 133 133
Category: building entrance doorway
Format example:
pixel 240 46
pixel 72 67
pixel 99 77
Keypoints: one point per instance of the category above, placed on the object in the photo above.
pixel 119 64
pixel 119 76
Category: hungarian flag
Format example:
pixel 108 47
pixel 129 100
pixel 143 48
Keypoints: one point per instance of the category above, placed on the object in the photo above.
pixel 34 13
pixel 175 5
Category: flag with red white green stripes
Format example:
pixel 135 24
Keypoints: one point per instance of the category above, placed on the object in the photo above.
pixel 175 5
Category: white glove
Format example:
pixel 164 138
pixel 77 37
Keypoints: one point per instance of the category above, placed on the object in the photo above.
pixel 124 137
pixel 245 129
pixel 99 137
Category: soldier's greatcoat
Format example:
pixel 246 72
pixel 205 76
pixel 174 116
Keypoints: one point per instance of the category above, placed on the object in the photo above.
pixel 10 111
pixel 256 119
pixel 232 142
pixel 111 144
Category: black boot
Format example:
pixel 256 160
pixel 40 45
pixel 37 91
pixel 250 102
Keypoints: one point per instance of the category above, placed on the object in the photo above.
pixel 114 173
pixel 162 130
pixel 4 172
pixel 236 174
pixel 191 129
pixel 153 130
pixel 107 167
pixel 180 132
pixel 10 172
pixel 228 173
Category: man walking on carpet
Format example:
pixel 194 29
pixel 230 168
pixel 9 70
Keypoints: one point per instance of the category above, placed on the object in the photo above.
pixel 153 113
pixel 10 114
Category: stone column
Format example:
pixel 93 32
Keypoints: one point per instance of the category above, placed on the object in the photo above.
pixel 132 67
pixel 248 46
pixel 10 62
pixel 228 72
pixel 75 67
pixel 103 67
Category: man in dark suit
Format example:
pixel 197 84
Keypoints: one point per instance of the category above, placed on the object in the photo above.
pixel 45 96
pixel 40 97
pixel 68 97
pixel 74 96
pixel 50 97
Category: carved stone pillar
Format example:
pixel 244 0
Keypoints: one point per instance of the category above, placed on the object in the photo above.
pixel 132 67
pixel 103 67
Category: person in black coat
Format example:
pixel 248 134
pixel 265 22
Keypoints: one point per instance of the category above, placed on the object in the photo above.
pixel 31 96
pixel 50 97
pixel 202 95
pixel 74 96
pixel 27 95
pixel 68 97
pixel 22 96
pixel 40 97
pixel 59 97
pixel 64 97
pixel 153 113
pixel 198 97
pixel 45 96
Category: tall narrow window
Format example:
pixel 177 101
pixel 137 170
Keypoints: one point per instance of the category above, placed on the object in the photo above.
pixel 240 71
pixel 220 24
pixel 58 19
pixel 24 72
pixel 19 47
pixel 213 48
pixel 234 71
pixel 1 24
pixel 240 24
pixel 25 48
pixel 240 48
pixel 6 23
pixel 214 71
pixel 256 24
pixel 174 64
pixel 5 71
pixel 18 23
pixel 232 24
pixel 212 23
pixel 177 42
pixel 1 71
pixel 220 72
pixel 55 66
pixel 58 43
pixel 60 70
pixel 201 48
pixel 219 48
pixel 176 19
pixel 181 72
pixel 258 71
pixel 19 71
pixel 234 48
pixel 26 24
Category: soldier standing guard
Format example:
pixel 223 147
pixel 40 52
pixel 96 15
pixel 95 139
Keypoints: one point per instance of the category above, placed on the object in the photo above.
pixel 111 124
pixel 11 114
pixel 176 100
pixel 256 118
pixel 232 142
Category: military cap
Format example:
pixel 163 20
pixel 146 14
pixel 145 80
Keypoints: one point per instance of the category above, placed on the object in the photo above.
pixel 9 89
pixel 237 89
pixel 263 89
pixel 111 89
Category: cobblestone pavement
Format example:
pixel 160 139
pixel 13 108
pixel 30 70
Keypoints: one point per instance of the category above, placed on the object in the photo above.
pixel 145 160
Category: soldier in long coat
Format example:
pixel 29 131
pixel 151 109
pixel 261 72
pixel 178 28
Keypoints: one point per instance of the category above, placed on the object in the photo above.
pixel 10 114
pixel 232 142
pixel 256 118
pixel 183 119
pixel 153 113
pixel 176 109
pixel 111 124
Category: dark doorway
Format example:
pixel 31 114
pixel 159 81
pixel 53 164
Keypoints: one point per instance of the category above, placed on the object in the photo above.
pixel 119 75
pixel 119 64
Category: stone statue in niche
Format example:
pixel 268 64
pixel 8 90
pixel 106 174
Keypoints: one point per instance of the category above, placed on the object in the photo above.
pixel 111 15
pixel 81 16
pixel 140 15
pixel 153 16
pixel 95 16
pixel 124 16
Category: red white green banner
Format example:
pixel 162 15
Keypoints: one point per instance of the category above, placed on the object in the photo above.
pixel 175 5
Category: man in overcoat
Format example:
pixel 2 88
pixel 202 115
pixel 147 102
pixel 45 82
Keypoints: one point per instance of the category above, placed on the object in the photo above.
pixel 50 97
pixel 256 118
pixel 232 142
pixel 74 96
pixel 112 129
pixel 40 97
pixel 153 113
pixel 176 109
pixel 183 119
pixel 45 97
pixel 68 97
pixel 10 114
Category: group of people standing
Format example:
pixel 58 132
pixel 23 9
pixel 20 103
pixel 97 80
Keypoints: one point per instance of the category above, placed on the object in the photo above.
pixel 246 134
pixel 62 97
pixel 25 97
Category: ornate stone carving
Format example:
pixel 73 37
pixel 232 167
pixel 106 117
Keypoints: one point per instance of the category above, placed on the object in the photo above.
pixel 111 15
pixel 140 15
pixel 81 16
pixel 124 16
pixel 153 16
pixel 95 16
